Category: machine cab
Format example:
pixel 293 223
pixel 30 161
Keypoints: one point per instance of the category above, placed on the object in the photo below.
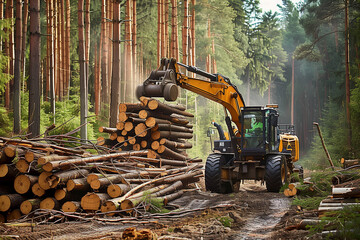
pixel 259 131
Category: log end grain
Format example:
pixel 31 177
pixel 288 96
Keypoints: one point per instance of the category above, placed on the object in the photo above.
pixel 22 184
pixel 43 182
pixel 37 190
pixel 48 203
pixel 5 203
pixel 60 194
pixel 108 206
pixel 22 165
pixel 114 191
pixel 70 206
pixel 127 205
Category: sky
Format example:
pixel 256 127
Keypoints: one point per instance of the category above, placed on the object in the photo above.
pixel 267 5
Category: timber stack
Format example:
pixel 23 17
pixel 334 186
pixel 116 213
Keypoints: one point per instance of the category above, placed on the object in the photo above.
pixel 36 175
pixel 162 129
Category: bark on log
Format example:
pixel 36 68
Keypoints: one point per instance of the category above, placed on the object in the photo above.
pixel 164 151
pixel 174 144
pixel 10 201
pixel 154 104
pixel 13 215
pixel 151 121
pixel 349 162
pixel 169 127
pixel 62 177
pixel 341 179
pixel 117 190
pixel 175 120
pixel 123 116
pixel 23 183
pixel 83 161
pixel 50 158
pixel 130 107
pixel 108 129
pixel 160 161
pixel 346 192
pixel 93 201
pixel 170 135
pixel 50 203
pixel 8 171
pixel 79 184
pixel 29 205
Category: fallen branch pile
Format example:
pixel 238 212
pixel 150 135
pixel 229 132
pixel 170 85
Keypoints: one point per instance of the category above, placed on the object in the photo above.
pixel 160 128
pixel 36 175
pixel 345 194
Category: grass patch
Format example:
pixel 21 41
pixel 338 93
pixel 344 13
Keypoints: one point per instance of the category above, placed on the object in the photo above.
pixel 226 221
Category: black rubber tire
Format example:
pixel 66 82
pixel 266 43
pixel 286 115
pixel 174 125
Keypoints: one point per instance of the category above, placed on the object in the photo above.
pixel 213 181
pixel 273 175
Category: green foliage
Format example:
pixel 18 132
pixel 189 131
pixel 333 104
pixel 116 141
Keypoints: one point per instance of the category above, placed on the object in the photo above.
pixel 156 204
pixel 345 221
pixel 307 202
pixel 5 123
pixel 307 51
pixel 5 28
pixel 355 117
pixel 226 221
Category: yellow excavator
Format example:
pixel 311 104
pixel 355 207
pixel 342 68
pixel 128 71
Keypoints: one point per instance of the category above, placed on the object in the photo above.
pixel 259 148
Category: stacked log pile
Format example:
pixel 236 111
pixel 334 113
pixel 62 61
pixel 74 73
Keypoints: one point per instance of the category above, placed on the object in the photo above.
pixel 36 175
pixel 162 129
pixel 296 188
pixel 346 193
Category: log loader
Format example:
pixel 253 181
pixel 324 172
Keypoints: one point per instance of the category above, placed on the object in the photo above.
pixel 259 148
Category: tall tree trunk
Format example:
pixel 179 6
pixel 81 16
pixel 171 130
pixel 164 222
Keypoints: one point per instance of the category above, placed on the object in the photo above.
pixel 9 14
pixel 214 68
pixel 34 63
pixel 208 58
pixel 174 31
pixel 55 50
pixel 115 83
pixel 60 56
pixel 110 37
pixel 292 89
pixel 67 48
pixel 159 31
pixel 347 72
pixel 134 47
pixel 128 53
pixel 96 81
pixel 186 33
pixel 1 18
pixel 83 77
pixel 166 26
pixel 23 48
pixel 193 38
pixel 87 37
pixel 17 69
pixel 48 49
pixel 51 62
pixel 63 48
pixel 104 57
pixel 162 25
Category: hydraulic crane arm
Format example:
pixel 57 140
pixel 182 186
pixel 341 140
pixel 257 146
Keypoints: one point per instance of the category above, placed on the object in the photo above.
pixel 162 83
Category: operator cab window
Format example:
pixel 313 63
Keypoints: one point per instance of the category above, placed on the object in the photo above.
pixel 253 126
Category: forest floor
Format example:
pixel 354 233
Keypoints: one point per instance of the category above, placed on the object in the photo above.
pixel 252 213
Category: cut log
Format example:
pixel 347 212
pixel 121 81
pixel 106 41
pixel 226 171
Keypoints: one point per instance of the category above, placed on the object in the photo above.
pixel 8 154
pixel 170 189
pixel 164 151
pixel 31 156
pixel 80 184
pixel 346 192
pixel 50 203
pixel 131 140
pixel 37 190
pixel 45 159
pixel 83 161
pixel 22 166
pixel 154 104
pixel 62 177
pixel 120 125
pixel 123 116
pixel 130 107
pixel 170 127
pixel 29 205
pixel 60 194
pixel 151 121
pixel 70 206
pixel 23 183
pixel 155 145
pixel 152 154
pixel 113 136
pixel 136 147
pixel 107 129
pixel 44 184
pixel 141 130
pixel 8 171
pixel 349 162
pixel 109 207
pixel 148 192
pixel 120 139
pixel 128 126
pixel 170 135
pixel 144 144
pixel 10 201
pixel 339 179
pixel 93 201
pixel 175 145
pixel 13 215
pixel 117 190
pixel 144 114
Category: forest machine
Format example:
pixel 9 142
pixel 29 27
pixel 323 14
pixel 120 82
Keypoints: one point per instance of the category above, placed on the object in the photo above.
pixel 266 153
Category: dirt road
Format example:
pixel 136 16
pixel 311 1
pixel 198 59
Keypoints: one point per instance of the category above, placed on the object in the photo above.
pixel 250 214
